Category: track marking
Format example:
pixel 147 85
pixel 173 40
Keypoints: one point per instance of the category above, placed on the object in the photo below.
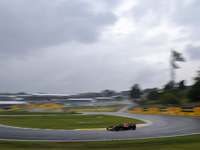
pixel 137 125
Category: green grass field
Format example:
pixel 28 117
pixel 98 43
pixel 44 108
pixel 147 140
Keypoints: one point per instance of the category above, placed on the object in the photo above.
pixel 96 109
pixel 174 143
pixel 66 122
pixel 23 112
pixel 63 111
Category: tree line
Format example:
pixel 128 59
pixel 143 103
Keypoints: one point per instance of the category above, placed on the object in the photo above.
pixel 176 95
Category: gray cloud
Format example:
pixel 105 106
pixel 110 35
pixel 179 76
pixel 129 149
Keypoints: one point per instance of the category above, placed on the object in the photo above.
pixel 28 25
pixel 179 12
pixel 150 13
pixel 186 14
pixel 193 52
pixel 77 46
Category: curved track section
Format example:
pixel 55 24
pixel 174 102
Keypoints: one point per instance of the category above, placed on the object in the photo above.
pixel 159 126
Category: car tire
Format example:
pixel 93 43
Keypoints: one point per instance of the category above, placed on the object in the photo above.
pixel 116 128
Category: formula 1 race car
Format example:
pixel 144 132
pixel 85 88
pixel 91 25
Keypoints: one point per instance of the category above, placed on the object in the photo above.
pixel 124 126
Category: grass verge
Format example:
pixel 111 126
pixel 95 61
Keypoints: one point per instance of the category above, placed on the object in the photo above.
pixel 66 122
pixel 96 109
pixel 23 112
pixel 173 143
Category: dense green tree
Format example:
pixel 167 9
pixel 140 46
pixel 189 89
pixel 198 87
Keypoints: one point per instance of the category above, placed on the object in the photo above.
pixel 169 98
pixel 142 102
pixel 176 92
pixel 194 92
pixel 182 85
pixel 147 91
pixel 135 92
pixel 154 95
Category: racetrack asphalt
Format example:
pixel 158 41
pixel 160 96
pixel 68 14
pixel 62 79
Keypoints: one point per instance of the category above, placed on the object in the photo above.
pixel 158 126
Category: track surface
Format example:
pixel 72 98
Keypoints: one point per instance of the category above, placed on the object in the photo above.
pixel 160 126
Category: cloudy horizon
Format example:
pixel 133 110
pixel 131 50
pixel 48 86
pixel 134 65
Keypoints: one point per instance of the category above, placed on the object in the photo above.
pixel 81 46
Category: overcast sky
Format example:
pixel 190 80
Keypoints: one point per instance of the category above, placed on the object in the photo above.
pixel 78 46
